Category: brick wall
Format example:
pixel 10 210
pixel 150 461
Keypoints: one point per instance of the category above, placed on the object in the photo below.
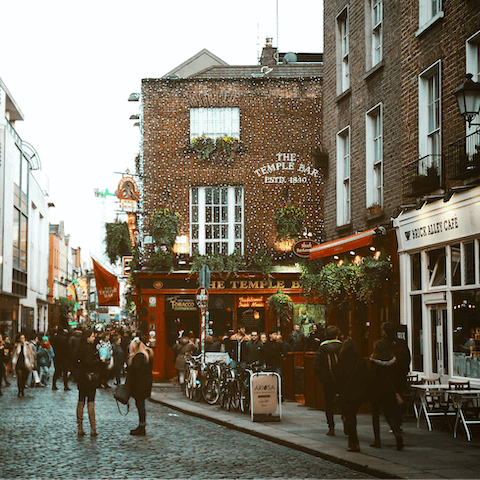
pixel 277 115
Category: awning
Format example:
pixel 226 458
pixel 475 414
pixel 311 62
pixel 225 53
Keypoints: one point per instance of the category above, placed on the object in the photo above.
pixel 342 245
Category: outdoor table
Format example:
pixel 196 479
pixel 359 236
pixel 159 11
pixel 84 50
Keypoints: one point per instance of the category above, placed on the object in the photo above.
pixel 460 398
pixel 424 391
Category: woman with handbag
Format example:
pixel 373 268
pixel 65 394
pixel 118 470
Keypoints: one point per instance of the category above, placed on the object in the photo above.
pixel 351 378
pixel 139 379
pixel 89 368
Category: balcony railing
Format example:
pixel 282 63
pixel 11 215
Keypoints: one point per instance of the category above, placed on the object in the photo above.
pixel 462 160
pixel 423 176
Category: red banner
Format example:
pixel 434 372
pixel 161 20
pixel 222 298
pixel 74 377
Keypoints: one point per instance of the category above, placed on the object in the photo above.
pixel 107 286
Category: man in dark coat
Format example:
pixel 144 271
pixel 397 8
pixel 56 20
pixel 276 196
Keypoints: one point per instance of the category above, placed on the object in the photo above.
pixel 324 365
pixel 254 349
pixel 296 339
pixel 61 359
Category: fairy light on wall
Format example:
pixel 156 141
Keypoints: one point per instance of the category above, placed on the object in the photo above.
pixel 278 116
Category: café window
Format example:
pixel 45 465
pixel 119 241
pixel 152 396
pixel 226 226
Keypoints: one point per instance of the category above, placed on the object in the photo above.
pixel 216 220
pixel 214 122
pixel 417 333
pixel 416 271
pixel 466 333
pixel 456 264
pixel 436 267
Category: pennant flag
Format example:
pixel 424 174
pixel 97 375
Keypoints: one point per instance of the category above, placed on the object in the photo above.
pixel 71 294
pixel 107 286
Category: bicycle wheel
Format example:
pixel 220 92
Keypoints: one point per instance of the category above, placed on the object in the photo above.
pixel 187 382
pixel 244 397
pixel 211 387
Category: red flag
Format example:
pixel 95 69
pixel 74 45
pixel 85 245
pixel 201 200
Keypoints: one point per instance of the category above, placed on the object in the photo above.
pixel 107 286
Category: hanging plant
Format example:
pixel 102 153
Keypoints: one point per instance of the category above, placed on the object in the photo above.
pixel 289 222
pixel 117 241
pixel 262 261
pixel 205 147
pixel 229 264
pixel 227 145
pixel 202 146
pixel 165 227
pixel 336 282
pixel 160 261
pixel 281 307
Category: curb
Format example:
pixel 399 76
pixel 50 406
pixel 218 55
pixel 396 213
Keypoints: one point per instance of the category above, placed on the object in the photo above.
pixel 359 467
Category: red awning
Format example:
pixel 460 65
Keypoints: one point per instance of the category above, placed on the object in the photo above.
pixel 343 244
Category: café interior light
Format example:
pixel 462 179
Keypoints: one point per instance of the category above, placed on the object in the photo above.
pixel 468 99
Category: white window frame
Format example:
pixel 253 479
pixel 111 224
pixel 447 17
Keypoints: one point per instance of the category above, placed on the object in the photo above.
pixel 472 53
pixel 374 155
pixel 343 48
pixel 373 32
pixel 344 187
pixel 430 116
pixel 429 12
pixel 215 122
pixel 200 244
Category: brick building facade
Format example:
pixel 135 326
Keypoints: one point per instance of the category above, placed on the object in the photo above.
pixel 274 113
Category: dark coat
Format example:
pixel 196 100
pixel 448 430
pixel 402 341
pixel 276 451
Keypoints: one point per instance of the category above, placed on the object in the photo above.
pixel 254 351
pixel 88 361
pixel 180 349
pixel 296 341
pixel 139 377
pixel 381 388
pixel 59 343
pixel 325 360
pixel 314 340
pixel 273 352
pixel 351 378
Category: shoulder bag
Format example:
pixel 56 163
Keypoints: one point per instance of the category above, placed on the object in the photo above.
pixel 122 395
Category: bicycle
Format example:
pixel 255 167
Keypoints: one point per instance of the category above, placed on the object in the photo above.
pixel 244 374
pixel 228 389
pixel 211 383
pixel 193 374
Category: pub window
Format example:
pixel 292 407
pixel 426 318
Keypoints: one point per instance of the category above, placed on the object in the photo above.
pixel 214 122
pixel 436 267
pixel 216 220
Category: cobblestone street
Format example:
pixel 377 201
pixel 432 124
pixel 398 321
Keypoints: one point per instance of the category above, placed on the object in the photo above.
pixel 39 440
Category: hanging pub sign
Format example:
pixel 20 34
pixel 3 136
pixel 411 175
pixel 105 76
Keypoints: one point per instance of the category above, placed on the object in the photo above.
pixel 128 194
pixel 301 248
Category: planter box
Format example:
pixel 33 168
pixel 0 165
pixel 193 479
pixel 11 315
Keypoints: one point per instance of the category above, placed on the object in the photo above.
pixel 425 184
pixel 468 166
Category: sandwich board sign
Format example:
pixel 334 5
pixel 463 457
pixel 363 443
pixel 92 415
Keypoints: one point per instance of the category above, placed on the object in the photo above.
pixel 265 396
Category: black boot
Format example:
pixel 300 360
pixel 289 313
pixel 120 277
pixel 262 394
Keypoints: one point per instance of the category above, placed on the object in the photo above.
pixel 140 430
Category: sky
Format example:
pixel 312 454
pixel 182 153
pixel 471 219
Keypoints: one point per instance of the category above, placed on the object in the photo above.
pixel 71 66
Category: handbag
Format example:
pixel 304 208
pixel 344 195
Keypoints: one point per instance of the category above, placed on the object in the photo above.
pixel 122 395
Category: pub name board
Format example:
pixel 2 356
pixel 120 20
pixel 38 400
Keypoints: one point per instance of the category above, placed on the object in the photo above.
pixel 228 284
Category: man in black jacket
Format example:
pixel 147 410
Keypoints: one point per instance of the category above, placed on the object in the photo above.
pixel 61 359
pixel 324 363
pixel 254 349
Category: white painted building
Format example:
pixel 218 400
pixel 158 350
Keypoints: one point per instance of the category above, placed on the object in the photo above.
pixel 24 224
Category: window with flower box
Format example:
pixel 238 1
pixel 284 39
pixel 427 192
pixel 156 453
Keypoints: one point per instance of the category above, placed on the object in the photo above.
pixel 214 122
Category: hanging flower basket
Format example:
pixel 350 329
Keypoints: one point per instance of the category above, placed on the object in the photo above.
pixel 281 307
pixel 117 241
pixel 207 147
pixel 289 222
pixel 165 227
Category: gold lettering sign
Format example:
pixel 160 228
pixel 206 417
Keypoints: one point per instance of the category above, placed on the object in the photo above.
pixel 251 302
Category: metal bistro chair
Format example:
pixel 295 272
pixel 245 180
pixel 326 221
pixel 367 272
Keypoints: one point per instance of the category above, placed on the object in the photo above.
pixel 437 402
pixel 470 408
pixel 410 396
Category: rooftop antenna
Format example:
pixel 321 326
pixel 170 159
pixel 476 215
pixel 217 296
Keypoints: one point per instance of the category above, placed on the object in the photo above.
pixel 278 41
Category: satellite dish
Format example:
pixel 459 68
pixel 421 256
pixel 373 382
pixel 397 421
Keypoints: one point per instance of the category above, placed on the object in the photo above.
pixel 289 57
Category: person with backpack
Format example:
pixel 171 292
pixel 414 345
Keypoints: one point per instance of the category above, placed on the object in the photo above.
pixel 44 360
pixel 324 365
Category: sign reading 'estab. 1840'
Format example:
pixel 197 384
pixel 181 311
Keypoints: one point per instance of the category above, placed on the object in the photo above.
pixel 287 169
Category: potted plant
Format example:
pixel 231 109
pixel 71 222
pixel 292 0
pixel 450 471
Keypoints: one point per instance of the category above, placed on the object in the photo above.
pixel 165 227
pixel 117 241
pixel 227 145
pixel 289 222
pixel 281 308
pixel 425 183
pixel 202 146
pixel 262 261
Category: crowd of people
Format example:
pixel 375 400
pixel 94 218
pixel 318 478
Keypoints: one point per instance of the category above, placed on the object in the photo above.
pixel 91 358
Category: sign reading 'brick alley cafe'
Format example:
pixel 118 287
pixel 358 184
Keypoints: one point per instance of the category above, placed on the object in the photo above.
pixel 287 169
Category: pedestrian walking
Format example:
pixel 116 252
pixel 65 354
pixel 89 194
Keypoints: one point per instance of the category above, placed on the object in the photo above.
pixel 324 364
pixel 3 358
pixel 7 365
pixel 118 359
pixel 89 366
pixel 351 377
pixel 44 360
pixel 23 362
pixel 139 379
pixel 105 350
pixel 59 343
pixel 388 381
pixel 34 377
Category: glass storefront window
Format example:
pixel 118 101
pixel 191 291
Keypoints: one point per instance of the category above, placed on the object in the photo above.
pixel 417 333
pixel 456 265
pixel 466 334
pixel 469 263
pixel 436 267
pixel 416 271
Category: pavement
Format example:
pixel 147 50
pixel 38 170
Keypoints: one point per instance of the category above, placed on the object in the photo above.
pixel 429 455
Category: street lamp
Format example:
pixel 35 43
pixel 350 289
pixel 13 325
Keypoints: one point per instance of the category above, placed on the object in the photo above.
pixel 468 99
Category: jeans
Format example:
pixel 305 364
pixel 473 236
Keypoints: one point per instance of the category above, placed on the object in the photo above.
pixel 329 395
pixel 22 374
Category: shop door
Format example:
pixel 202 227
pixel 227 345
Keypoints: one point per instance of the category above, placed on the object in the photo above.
pixel 439 334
